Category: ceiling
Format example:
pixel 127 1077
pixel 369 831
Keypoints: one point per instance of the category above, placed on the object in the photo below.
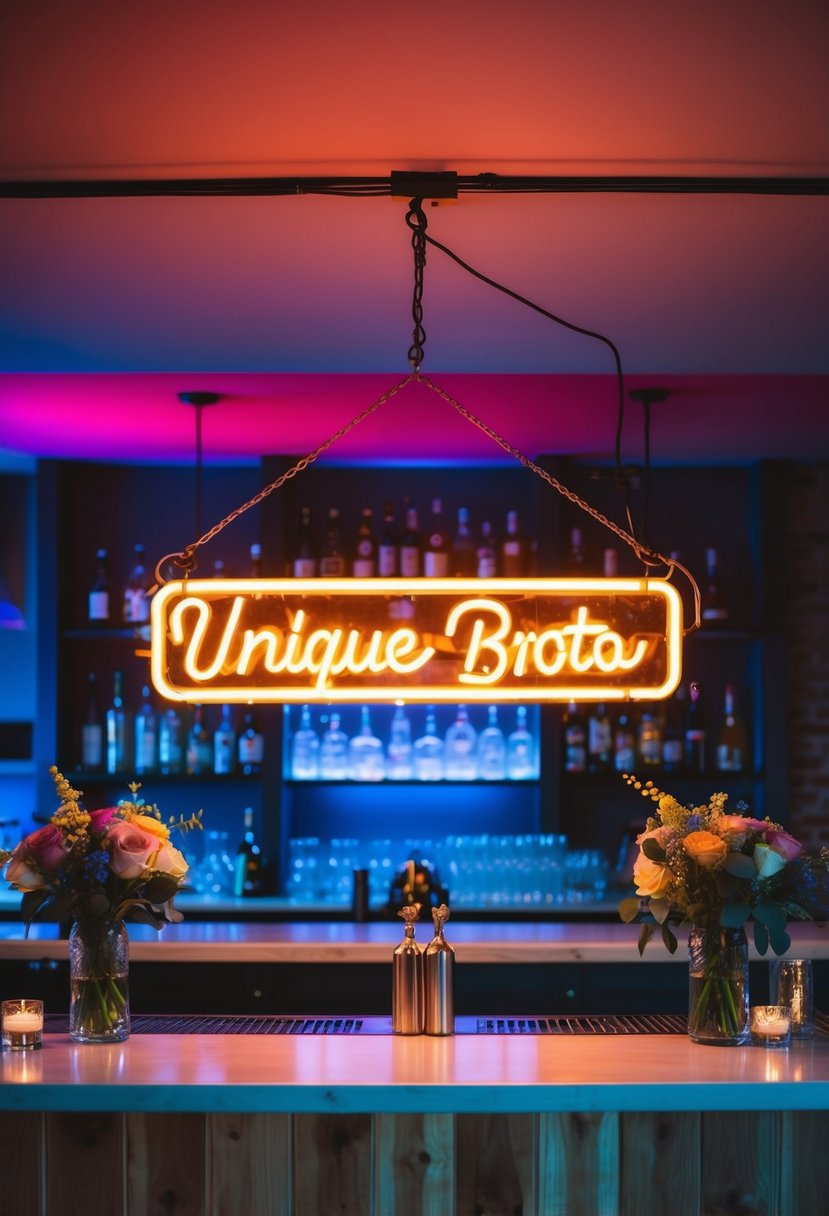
pixel 297 310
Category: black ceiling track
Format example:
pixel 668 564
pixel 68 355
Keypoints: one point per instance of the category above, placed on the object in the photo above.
pixel 405 183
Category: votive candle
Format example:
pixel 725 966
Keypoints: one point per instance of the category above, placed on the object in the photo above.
pixel 771 1025
pixel 22 1028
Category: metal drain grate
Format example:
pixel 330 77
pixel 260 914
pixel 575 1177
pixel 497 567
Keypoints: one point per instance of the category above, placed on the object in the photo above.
pixel 143 1023
pixel 623 1023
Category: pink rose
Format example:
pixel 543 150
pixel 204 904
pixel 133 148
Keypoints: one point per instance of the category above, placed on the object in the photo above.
pixel 738 824
pixel 132 851
pixel 21 875
pixel 46 847
pixel 98 820
pixel 785 844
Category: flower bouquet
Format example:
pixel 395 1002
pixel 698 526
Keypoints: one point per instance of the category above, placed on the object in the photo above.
pixel 98 869
pixel 714 871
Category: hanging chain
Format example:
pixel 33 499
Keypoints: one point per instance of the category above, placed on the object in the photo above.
pixel 416 219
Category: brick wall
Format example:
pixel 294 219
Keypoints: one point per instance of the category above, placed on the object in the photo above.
pixel 807 529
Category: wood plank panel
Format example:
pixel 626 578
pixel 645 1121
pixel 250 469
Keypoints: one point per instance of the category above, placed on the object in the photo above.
pixel 578 1172
pixel 21 1146
pixel 84 1162
pixel 166 1164
pixel 660 1164
pixel 249 1164
pixel 804 1162
pixel 332 1165
pixel 414 1164
pixel 496 1164
pixel 741 1163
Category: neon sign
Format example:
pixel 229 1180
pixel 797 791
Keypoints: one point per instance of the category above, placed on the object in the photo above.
pixel 427 640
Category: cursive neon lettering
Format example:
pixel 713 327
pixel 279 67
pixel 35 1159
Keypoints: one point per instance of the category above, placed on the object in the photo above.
pixel 203 617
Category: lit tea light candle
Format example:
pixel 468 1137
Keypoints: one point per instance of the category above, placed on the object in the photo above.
pixel 771 1025
pixel 22 1025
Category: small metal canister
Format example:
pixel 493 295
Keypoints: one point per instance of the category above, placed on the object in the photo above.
pixel 439 978
pixel 407 979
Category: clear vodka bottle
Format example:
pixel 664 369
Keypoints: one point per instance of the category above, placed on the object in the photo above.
pixel 305 749
pixel 428 751
pixel 365 752
pixel 460 759
pixel 492 749
pixel 522 762
pixel 399 756
pixel 334 751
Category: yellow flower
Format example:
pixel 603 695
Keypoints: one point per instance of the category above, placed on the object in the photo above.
pixel 705 848
pixel 148 824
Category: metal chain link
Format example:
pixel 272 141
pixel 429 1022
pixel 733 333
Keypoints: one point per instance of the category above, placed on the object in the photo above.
pixel 416 219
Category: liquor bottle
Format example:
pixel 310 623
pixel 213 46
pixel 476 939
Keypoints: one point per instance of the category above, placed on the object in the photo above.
pixel 576 564
pixel 410 547
pixel 224 744
pixel 249 870
pixel 251 746
pixel 136 603
pixel 92 729
pixel 695 732
pixel 332 557
pixel 170 748
pixel 673 736
pixel 464 557
pixel 146 735
pixel 599 740
pixel 575 740
pixel 436 550
pixel 305 749
pixel 365 752
pixel 256 560
pixel 714 606
pixel 198 755
pixel 514 549
pixel 428 751
pixel 522 763
pixel 624 743
pixel 99 611
pixel 117 728
pixel 218 568
pixel 365 552
pixel 305 560
pixel 399 753
pixel 492 749
pixel 388 551
pixel 610 563
pixel 487 552
pixel 650 738
pixel 732 744
pixel 334 751
pixel 460 761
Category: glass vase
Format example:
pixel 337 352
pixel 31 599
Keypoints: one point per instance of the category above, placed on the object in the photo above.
pixel 99 1010
pixel 718 986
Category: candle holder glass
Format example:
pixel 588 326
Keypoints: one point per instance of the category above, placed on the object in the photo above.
pixel 22 1025
pixel 791 984
pixel 771 1026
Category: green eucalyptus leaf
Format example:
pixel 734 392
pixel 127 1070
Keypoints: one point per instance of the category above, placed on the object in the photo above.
pixel 629 909
pixel 645 935
pixel 772 916
pixel 654 851
pixel 659 910
pixel 780 942
pixel 740 866
pixel 727 885
pixel 669 939
pixel 761 937
pixel 160 888
pixel 32 902
pixel 734 916
pixel 96 904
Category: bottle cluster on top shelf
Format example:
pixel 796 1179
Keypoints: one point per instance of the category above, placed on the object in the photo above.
pixel 674 736
pixel 489 751
pixel 409 545
pixel 138 739
pixel 103 608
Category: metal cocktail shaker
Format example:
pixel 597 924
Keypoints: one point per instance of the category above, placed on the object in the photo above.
pixel 439 978
pixel 407 978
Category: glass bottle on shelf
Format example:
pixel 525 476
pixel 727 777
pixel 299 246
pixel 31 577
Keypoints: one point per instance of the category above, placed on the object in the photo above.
pixel 599 740
pixel 136 604
pixel 732 743
pixel 673 736
pixel 305 749
pixel 624 742
pixel 117 728
pixel 224 744
pixel 650 738
pixel 92 729
pixel 365 752
pixel 714 605
pixel 219 568
pixel 388 551
pixel 576 565
pixel 460 760
pixel 610 563
pixel 251 746
pixel 248 870
pixel 428 751
pixel 514 549
pixel 464 557
pixel 436 550
pixel 332 557
pixel 99 609
pixel 492 749
pixel 146 735
pixel 170 748
pixel 255 560
pixel 410 547
pixel 198 756
pixel 695 731
pixel 399 755
pixel 522 763
pixel 333 765
pixel 305 559
pixel 365 550
pixel 574 734
pixel 487 553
